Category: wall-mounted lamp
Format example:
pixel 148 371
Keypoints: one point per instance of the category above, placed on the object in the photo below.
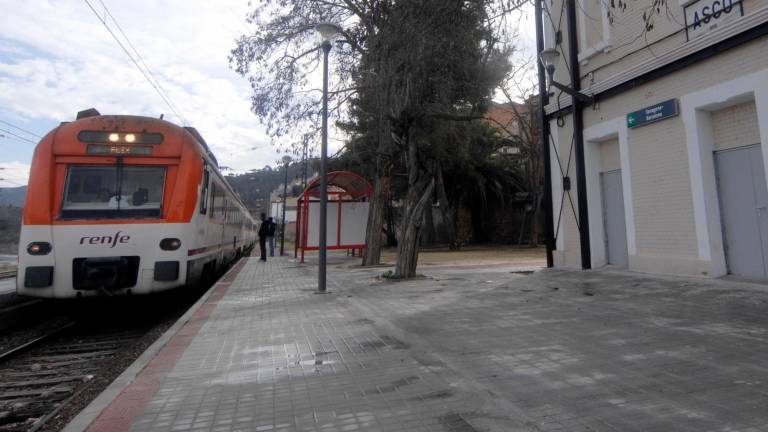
pixel 548 58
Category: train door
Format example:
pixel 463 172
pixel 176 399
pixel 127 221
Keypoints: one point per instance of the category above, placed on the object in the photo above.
pixel 743 200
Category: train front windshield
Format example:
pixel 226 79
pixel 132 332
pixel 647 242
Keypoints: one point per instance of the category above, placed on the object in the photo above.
pixel 111 192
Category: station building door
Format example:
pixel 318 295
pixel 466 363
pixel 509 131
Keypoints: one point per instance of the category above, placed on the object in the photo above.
pixel 743 200
pixel 613 218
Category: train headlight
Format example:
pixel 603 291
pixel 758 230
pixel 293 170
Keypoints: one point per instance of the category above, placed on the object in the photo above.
pixel 39 248
pixel 170 244
pixel 100 137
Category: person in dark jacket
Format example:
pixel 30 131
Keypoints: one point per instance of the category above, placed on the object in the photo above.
pixel 271 236
pixel 263 230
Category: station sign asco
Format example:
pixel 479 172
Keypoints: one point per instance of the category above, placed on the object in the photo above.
pixel 653 113
pixel 702 16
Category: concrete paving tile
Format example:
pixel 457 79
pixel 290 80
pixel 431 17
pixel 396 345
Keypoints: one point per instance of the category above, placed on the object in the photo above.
pixel 641 353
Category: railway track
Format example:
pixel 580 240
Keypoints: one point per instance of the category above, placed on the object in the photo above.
pixel 7 274
pixel 57 356
pixel 40 377
pixel 53 361
pixel 23 312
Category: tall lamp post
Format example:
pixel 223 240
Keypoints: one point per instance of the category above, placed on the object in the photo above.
pixel 328 31
pixel 286 161
pixel 548 58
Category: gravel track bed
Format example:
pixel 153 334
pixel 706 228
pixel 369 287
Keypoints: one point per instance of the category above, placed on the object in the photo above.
pixel 148 316
pixel 106 375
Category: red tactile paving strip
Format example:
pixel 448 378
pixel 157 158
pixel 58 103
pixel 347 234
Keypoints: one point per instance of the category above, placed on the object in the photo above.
pixel 119 414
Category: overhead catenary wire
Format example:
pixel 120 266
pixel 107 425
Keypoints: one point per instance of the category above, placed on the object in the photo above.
pixel 174 107
pixel 155 84
pixel 17 137
pixel 10 139
pixel 21 129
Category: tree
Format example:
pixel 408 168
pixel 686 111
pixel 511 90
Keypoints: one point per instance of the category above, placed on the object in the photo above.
pixel 280 59
pixel 478 177
pixel 520 89
pixel 440 63
pixel 404 69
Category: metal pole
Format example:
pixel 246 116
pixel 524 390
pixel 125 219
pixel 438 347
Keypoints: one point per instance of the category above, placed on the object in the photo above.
pixel 306 163
pixel 285 201
pixel 578 138
pixel 323 180
pixel 544 136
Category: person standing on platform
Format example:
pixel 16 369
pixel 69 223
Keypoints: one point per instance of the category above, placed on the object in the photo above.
pixel 271 236
pixel 263 230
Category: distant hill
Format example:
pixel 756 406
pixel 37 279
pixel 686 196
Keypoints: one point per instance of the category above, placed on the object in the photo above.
pixel 13 196
pixel 255 186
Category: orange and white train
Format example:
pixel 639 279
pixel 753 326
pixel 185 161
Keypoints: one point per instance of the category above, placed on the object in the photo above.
pixel 121 205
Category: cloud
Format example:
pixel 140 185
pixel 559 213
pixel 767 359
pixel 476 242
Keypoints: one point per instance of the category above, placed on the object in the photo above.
pixel 13 174
pixel 56 59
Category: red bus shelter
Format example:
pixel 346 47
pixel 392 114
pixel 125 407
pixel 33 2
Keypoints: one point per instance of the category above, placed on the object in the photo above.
pixel 349 197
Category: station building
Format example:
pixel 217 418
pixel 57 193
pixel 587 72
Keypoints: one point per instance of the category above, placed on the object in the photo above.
pixel 667 172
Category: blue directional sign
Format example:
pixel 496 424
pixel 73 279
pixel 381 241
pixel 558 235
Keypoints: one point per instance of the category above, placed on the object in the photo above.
pixel 652 114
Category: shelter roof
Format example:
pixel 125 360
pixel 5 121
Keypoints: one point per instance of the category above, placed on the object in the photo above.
pixel 346 181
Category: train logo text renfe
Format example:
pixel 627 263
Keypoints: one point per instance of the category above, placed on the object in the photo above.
pixel 110 240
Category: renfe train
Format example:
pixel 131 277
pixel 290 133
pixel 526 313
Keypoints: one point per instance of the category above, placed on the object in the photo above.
pixel 121 204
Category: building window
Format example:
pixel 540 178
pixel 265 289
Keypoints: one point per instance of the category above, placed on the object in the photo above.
pixel 594 29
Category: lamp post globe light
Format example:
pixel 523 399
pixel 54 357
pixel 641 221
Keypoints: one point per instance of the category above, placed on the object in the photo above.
pixel 286 161
pixel 328 32
pixel 548 58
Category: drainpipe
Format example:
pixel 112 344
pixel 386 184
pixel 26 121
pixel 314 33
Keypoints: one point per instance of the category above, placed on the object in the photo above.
pixel 578 136
pixel 544 130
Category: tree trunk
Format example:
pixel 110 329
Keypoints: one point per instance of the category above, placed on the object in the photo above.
pixel 408 246
pixel 380 196
pixel 391 230
pixel 442 199
pixel 421 185
pixel 535 219
pixel 521 233
pixel 428 235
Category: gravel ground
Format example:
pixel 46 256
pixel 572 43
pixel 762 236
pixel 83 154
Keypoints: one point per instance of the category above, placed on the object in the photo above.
pixel 475 255
pixel 18 336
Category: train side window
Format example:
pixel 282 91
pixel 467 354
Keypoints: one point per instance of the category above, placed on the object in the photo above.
pixel 204 193
pixel 219 205
pixel 212 204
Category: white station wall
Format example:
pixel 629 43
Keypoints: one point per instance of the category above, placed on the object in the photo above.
pixel 354 218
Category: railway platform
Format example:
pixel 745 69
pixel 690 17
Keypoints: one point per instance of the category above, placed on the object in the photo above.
pixel 460 349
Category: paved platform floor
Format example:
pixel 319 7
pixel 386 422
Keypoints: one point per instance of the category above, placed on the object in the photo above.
pixel 461 349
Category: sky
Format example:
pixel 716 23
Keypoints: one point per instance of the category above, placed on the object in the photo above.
pixel 57 58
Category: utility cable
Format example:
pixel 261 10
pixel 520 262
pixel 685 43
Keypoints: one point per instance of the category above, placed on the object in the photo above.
pixel 133 60
pixel 21 129
pixel 141 59
pixel 18 137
